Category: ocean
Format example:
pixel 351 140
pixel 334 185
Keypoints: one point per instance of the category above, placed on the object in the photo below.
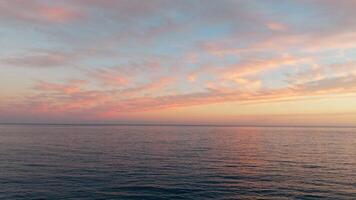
pixel 176 162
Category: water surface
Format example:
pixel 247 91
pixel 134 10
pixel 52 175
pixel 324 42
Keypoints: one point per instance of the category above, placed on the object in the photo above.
pixel 172 162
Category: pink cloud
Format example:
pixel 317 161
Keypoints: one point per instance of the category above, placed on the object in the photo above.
pixel 73 86
pixel 151 88
pixel 30 11
pixel 109 77
pixel 230 65
pixel 274 26
pixel 58 14
pixel 74 99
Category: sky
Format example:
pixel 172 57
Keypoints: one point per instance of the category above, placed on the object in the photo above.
pixel 226 62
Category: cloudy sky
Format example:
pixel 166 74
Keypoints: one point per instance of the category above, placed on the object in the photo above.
pixel 256 62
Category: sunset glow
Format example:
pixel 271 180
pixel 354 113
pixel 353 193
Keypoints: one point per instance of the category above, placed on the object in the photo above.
pixel 228 62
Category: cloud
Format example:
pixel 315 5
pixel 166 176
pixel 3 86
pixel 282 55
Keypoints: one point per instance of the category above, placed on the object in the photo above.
pixel 276 26
pixel 151 88
pixel 40 59
pixel 73 98
pixel 257 66
pixel 107 77
pixel 136 56
pixel 46 58
pixel 247 72
pixel 38 12
pixel 316 72
pixel 345 84
pixel 73 86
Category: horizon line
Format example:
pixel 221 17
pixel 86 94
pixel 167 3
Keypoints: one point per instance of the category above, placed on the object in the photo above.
pixel 175 124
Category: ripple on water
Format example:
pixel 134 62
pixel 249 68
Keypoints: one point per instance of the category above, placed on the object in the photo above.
pixel 127 162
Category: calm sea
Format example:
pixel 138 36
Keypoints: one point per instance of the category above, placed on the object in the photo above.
pixel 176 162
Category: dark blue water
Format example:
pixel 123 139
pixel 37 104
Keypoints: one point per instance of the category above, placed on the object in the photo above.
pixel 146 162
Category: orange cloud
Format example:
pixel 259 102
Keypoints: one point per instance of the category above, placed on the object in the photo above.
pixel 253 67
